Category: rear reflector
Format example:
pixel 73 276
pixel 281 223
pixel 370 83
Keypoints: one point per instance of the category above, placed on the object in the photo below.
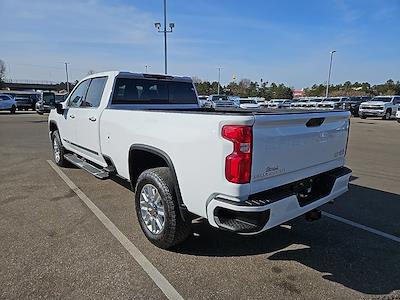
pixel 238 163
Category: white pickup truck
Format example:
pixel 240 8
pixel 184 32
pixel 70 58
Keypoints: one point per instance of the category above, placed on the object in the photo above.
pixel 244 171
pixel 380 106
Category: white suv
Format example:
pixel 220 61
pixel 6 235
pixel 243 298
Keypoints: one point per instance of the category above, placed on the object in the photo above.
pixel 381 106
pixel 8 103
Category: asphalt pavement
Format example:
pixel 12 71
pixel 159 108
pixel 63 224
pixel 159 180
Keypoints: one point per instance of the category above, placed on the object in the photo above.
pixel 54 246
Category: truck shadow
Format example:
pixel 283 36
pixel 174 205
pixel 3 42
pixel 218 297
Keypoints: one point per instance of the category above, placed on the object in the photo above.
pixel 349 256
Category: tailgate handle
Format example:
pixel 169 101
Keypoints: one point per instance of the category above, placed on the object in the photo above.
pixel 315 122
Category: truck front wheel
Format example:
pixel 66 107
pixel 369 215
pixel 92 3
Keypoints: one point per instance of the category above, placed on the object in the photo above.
pixel 157 209
pixel 58 150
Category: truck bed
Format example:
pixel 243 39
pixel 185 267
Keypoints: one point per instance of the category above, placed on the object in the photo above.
pixel 225 110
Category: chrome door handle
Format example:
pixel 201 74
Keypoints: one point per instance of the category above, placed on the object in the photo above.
pixel 92 119
pixel 72 116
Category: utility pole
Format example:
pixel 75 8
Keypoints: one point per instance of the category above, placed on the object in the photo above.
pixel 329 74
pixel 165 31
pixel 219 77
pixel 66 72
pixel 147 66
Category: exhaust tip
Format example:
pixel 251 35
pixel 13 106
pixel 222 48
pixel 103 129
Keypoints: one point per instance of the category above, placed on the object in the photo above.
pixel 313 215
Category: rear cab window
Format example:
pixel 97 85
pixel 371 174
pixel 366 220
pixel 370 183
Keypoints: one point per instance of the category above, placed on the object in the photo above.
pixel 151 91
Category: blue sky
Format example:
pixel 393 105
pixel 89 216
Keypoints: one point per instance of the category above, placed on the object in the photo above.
pixel 278 41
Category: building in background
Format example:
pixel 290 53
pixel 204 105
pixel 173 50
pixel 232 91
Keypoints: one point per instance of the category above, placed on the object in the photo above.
pixel 298 93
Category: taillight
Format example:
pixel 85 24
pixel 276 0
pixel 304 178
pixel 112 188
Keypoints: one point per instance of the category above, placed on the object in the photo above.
pixel 238 163
pixel 347 140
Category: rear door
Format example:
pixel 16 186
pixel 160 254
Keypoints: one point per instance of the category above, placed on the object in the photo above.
pixel 87 121
pixel 289 147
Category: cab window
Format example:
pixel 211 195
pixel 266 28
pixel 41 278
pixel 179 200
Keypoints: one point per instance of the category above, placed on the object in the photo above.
pixel 78 95
pixel 95 91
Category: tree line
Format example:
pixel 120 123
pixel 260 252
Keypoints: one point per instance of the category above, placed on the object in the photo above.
pixel 244 88
pixel 355 89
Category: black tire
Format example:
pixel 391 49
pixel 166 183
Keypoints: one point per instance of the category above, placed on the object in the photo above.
pixel 363 117
pixel 19 108
pixel 398 120
pixel 39 112
pixel 13 109
pixel 175 229
pixel 387 115
pixel 59 160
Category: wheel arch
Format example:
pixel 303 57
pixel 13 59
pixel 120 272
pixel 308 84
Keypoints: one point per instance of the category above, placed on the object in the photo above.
pixel 158 158
pixel 53 126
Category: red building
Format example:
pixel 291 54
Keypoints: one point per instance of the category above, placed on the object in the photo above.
pixel 298 93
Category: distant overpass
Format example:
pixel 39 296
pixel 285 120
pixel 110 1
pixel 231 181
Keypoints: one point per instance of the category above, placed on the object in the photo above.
pixel 16 84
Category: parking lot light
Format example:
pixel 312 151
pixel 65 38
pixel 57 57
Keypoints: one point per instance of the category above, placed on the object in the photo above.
pixel 165 31
pixel 329 74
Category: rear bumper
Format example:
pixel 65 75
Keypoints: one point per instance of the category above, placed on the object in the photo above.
pixel 274 207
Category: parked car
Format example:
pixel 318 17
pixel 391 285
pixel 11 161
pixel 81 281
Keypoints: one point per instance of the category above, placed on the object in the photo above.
pixel 279 103
pixel 46 103
pixel 60 97
pixel 221 101
pixel 238 169
pixel 313 102
pixel 7 103
pixel 333 103
pixel 380 106
pixel 353 104
pixel 249 103
pixel 203 101
pixel 24 99
pixel 301 103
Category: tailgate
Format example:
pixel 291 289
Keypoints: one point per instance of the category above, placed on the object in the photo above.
pixel 289 147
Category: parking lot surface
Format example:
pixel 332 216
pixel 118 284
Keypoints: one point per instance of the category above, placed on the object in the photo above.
pixel 54 246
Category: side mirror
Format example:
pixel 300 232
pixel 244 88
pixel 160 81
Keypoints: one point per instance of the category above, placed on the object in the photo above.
pixel 60 108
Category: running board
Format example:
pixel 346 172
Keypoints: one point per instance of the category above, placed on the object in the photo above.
pixel 88 167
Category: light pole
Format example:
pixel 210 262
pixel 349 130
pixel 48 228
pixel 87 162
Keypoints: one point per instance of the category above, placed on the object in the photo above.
pixel 329 74
pixel 66 72
pixel 165 31
pixel 219 78
pixel 147 66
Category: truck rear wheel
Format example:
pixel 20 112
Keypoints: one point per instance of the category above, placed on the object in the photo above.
pixel 58 149
pixel 157 209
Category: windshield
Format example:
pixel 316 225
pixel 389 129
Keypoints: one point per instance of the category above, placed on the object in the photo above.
pixel 60 98
pixel 382 99
pixel 22 97
pixel 49 98
pixel 333 99
pixel 277 101
pixel 220 98
pixel 316 100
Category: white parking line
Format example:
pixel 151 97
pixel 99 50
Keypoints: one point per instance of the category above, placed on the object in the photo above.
pixel 168 290
pixel 363 227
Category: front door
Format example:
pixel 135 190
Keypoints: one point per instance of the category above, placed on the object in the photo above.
pixel 68 125
pixel 88 122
